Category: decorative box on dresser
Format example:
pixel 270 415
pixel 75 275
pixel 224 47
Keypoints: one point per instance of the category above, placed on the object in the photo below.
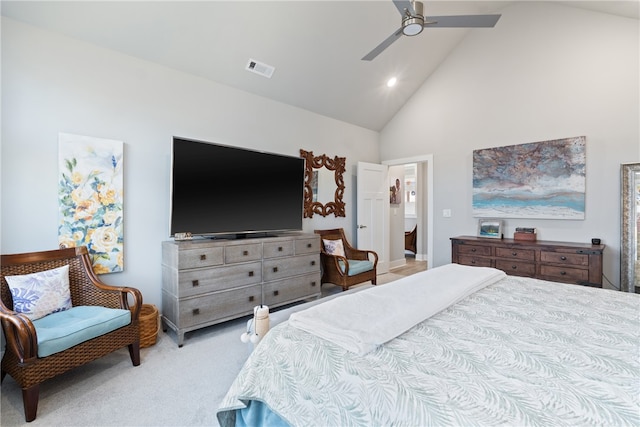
pixel 566 262
pixel 205 282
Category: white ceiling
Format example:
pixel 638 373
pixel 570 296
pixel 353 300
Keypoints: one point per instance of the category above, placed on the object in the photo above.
pixel 315 46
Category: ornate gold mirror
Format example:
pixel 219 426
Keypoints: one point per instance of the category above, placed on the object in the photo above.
pixel 323 184
pixel 630 222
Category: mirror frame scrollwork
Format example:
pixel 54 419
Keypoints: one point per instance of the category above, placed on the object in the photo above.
pixel 336 164
pixel 629 232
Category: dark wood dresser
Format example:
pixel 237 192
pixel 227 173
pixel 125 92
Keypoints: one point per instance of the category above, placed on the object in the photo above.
pixel 566 262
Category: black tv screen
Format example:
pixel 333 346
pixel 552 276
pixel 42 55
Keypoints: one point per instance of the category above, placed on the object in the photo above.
pixel 218 189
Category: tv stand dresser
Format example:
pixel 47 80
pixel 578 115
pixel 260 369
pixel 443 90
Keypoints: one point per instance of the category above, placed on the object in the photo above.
pixel 205 282
pixel 566 262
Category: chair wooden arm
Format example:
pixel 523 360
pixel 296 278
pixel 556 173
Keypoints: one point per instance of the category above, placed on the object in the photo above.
pixel 334 260
pixel 362 255
pixel 128 298
pixel 20 334
pixel 135 305
pixel 359 254
pixel 375 257
pixel 111 296
pixel 106 295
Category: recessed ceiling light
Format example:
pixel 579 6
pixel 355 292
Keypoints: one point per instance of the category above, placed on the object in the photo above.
pixel 392 82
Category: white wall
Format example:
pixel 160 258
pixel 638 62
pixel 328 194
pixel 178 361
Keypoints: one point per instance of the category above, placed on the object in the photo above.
pixel 52 83
pixel 544 72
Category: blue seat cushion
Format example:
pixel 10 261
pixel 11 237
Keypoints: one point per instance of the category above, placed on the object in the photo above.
pixel 356 267
pixel 62 330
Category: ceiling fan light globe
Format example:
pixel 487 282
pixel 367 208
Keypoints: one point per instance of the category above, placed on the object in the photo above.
pixel 412 26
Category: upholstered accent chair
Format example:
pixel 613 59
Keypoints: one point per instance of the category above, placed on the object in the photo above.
pixel 96 320
pixel 342 264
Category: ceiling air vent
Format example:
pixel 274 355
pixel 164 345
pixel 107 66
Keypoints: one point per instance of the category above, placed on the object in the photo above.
pixel 259 68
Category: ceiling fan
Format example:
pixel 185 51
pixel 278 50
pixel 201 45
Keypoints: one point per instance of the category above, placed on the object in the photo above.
pixel 413 21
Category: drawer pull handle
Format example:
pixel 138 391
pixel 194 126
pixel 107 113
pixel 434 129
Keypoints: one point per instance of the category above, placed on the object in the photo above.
pixel 563 273
pixel 313 263
pixel 473 249
pixel 275 293
pixel 195 311
pixel 279 248
pixel 251 298
pixel 514 253
pixel 251 274
pixel 245 253
pixel 275 269
pixel 309 245
pixel 563 258
pixel 195 283
pixel 473 261
pixel 514 267
pixel 203 257
pixel 313 283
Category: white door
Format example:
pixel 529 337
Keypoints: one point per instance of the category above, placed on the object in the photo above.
pixel 373 211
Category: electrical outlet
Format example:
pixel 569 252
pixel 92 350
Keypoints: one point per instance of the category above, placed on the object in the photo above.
pixel 446 213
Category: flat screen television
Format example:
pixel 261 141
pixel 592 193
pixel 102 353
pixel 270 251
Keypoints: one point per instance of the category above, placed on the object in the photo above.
pixel 223 190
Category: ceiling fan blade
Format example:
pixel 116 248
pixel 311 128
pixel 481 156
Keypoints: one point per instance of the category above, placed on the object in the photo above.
pixel 461 21
pixel 382 46
pixel 401 5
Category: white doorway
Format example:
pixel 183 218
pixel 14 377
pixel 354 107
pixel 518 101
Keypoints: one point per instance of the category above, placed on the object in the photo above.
pixel 424 208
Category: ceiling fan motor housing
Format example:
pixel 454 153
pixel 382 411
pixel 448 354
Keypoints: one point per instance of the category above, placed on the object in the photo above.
pixel 412 26
pixel 413 22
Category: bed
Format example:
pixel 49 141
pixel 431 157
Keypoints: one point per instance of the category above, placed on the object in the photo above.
pixel 509 351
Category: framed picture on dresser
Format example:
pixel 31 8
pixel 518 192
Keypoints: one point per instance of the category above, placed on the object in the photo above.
pixel 492 228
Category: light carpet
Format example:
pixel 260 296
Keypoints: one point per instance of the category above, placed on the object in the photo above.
pixel 171 387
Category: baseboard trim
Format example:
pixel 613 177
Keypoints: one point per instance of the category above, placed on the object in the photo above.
pixel 397 263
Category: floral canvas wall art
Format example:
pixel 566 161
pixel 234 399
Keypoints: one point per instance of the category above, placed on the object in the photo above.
pixel 90 197
pixel 542 180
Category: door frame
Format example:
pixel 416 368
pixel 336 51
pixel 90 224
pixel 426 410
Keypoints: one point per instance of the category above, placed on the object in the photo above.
pixel 428 160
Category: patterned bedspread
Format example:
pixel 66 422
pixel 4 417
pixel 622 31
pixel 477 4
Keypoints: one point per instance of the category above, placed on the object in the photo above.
pixel 519 352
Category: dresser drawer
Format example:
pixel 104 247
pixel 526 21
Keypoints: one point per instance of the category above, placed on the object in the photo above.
pixel 564 258
pixel 242 253
pixel 514 253
pixel 474 261
pixel 278 249
pixel 281 291
pixel 474 250
pixel 307 246
pixel 194 282
pixel 220 305
pixel 516 268
pixel 205 257
pixel 564 274
pixel 279 268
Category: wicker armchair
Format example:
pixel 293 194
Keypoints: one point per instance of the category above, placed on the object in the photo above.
pixel 355 267
pixel 21 359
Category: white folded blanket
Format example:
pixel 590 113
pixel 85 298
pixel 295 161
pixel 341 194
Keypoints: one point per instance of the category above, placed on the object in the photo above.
pixel 362 321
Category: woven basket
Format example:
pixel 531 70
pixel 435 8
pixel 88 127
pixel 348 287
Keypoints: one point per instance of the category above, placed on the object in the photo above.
pixel 148 325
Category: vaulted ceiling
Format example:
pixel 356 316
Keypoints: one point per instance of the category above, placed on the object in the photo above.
pixel 315 46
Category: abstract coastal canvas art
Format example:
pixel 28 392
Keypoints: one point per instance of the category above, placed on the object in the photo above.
pixel 90 195
pixel 541 180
